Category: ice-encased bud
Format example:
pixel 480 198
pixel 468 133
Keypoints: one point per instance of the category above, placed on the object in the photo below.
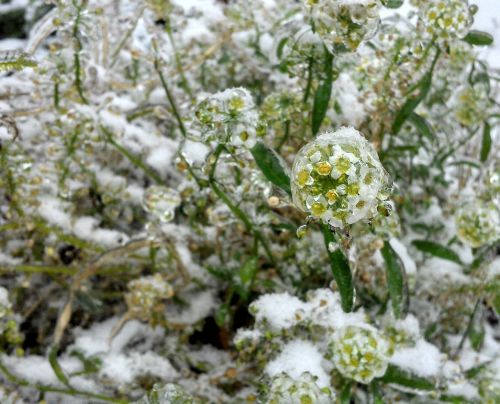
pixel 303 390
pixel 339 179
pixel 161 202
pixel 145 294
pixel 170 393
pixel 360 353
pixel 478 223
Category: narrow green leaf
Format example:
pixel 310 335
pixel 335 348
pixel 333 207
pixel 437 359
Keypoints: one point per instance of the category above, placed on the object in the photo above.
pixel 478 38
pixel 422 125
pixel 221 315
pixel 270 165
pixel 395 280
pixel 248 270
pixel 411 103
pixel 345 395
pixel 56 367
pixel 322 95
pixel 437 250
pixel 396 375
pixel 393 3
pixel 486 143
pixel 341 271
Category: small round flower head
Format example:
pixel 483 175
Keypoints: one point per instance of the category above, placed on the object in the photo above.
pixel 344 22
pixel 472 105
pixel 170 393
pixel 161 202
pixel 338 178
pixel 360 353
pixel 445 19
pixel 145 294
pixel 230 116
pixel 478 223
pixel 304 390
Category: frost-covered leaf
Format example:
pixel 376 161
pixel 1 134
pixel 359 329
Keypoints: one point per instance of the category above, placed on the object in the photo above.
pixel 478 38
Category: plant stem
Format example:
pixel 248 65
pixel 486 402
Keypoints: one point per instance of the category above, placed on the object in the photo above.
pixel 170 98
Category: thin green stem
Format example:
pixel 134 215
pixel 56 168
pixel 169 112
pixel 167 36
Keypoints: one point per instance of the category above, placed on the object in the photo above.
pixel 184 82
pixel 170 98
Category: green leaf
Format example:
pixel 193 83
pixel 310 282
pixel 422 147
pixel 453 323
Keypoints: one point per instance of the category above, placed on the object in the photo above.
pixel 270 165
pixel 341 271
pixel 221 315
pixel 478 38
pixel 345 395
pixel 396 375
pixel 437 250
pixel 393 3
pixel 486 143
pixel 322 95
pixel 422 125
pixel 56 367
pixel 248 270
pixel 396 281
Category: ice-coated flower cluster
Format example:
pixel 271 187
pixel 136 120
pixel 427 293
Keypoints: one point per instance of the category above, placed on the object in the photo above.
pixel 170 393
pixel 230 116
pixel 360 353
pixel 478 223
pixel 160 202
pixel 472 105
pixel 339 179
pixel 344 22
pixel 303 390
pixel 145 296
pixel 445 19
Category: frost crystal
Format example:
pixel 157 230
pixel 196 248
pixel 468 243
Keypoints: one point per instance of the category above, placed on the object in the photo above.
pixel 339 179
pixel 303 390
pixel 344 22
pixel 478 223
pixel 360 353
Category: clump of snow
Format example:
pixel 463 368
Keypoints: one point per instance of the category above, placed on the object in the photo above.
pixel 278 310
pixel 424 359
pixel 297 357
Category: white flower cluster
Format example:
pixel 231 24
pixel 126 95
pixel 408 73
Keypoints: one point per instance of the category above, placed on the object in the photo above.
pixel 231 117
pixel 161 202
pixel 338 178
pixel 478 223
pixel 360 353
pixel 146 294
pixel 445 19
pixel 345 22
pixel 303 390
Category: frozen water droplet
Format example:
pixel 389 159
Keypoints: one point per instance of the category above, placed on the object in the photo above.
pixel 161 202
pixel 302 231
